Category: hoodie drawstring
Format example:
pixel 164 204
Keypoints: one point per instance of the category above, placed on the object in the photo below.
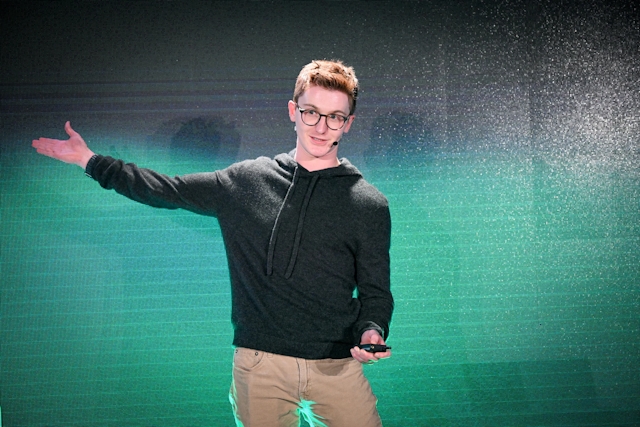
pixel 303 211
pixel 298 235
pixel 276 225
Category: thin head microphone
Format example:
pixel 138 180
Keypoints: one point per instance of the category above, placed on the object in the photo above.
pixel 335 143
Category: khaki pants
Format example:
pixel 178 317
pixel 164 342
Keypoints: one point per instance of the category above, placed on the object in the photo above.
pixel 270 390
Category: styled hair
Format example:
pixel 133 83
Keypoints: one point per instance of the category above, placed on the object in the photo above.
pixel 329 75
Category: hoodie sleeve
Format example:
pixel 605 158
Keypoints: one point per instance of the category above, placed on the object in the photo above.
pixel 202 193
pixel 373 273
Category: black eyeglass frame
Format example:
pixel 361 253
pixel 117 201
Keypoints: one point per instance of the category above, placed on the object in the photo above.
pixel 320 116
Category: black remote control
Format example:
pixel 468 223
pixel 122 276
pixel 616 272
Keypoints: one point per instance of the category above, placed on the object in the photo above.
pixel 374 348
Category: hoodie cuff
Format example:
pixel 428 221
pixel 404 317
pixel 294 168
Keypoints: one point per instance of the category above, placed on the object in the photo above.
pixel 365 326
pixel 88 170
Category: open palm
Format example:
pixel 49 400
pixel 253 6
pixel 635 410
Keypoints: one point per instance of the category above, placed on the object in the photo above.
pixel 73 150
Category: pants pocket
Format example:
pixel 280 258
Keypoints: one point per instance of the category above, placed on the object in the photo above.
pixel 246 359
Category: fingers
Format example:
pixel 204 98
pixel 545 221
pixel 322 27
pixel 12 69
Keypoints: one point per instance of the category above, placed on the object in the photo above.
pixel 42 143
pixel 359 355
pixel 45 146
pixel 365 357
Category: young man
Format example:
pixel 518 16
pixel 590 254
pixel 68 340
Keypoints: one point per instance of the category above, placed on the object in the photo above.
pixel 307 241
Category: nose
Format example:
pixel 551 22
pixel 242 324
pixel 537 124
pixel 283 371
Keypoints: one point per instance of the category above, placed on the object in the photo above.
pixel 321 126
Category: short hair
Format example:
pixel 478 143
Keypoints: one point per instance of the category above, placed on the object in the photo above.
pixel 330 75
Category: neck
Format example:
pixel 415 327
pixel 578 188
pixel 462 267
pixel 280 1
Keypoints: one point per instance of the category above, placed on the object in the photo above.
pixel 313 163
pixel 317 164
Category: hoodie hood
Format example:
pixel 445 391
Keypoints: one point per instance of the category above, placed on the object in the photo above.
pixel 302 182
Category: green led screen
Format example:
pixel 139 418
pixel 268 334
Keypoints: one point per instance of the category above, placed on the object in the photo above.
pixel 506 136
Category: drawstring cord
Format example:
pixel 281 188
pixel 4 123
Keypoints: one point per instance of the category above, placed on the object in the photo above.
pixel 298 236
pixel 303 212
pixel 276 225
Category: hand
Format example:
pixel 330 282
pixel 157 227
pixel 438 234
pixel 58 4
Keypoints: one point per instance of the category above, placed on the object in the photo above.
pixel 73 150
pixel 370 336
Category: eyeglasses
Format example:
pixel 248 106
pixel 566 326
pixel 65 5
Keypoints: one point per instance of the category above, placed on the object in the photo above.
pixel 312 118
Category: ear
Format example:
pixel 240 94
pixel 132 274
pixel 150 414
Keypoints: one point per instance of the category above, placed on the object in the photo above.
pixel 347 125
pixel 292 111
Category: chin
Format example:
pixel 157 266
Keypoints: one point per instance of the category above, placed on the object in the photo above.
pixel 322 151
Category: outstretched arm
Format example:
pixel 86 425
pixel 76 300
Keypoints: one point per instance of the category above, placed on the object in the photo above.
pixel 73 150
pixel 203 193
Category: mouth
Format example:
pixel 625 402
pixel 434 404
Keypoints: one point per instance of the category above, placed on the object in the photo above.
pixel 319 141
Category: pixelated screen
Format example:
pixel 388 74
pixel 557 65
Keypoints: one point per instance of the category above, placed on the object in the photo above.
pixel 505 135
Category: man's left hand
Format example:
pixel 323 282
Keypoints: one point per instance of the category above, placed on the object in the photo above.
pixel 370 336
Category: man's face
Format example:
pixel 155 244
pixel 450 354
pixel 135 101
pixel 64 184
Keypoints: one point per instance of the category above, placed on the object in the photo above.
pixel 316 143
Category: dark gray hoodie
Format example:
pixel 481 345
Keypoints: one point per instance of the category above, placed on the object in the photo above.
pixel 308 252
